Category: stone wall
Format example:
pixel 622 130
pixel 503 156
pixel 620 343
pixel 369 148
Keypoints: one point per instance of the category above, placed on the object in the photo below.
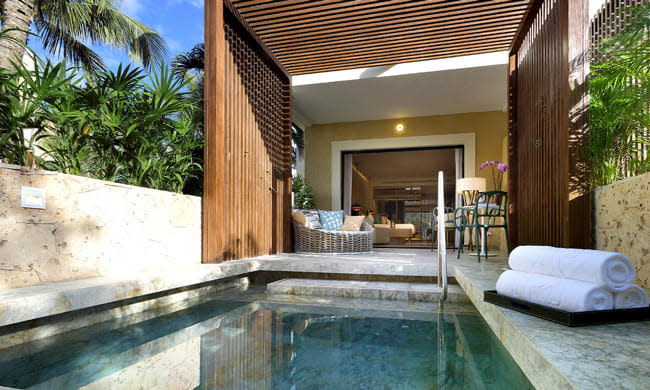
pixel 622 222
pixel 91 228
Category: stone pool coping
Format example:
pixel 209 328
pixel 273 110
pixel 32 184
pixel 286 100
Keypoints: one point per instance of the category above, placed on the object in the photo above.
pixel 30 303
pixel 554 356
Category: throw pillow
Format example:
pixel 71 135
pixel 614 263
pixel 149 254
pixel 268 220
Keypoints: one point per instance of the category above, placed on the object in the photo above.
pixel 352 224
pixel 331 220
pixel 300 218
pixel 313 218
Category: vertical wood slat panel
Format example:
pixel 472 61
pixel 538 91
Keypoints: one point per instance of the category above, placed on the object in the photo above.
pixel 539 126
pixel 254 165
pixel 213 213
pixel 548 112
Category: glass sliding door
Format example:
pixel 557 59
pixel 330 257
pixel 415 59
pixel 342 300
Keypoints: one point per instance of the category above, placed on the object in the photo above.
pixel 398 188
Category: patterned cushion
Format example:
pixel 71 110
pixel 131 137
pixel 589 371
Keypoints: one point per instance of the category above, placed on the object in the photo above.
pixel 331 220
pixel 352 224
pixel 313 218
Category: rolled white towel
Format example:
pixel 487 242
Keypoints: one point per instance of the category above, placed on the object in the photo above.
pixel 631 297
pixel 599 267
pixel 565 294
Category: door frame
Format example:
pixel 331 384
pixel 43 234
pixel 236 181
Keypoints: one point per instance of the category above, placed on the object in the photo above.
pixel 466 140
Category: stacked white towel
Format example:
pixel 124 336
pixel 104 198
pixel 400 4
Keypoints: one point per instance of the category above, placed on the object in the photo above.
pixel 564 294
pixel 631 297
pixel 572 279
pixel 599 267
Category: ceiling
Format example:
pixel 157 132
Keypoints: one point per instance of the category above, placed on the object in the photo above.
pixel 320 36
pixel 423 164
pixel 476 89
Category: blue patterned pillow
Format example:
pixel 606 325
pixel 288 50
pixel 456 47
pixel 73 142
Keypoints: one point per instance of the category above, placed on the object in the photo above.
pixel 331 220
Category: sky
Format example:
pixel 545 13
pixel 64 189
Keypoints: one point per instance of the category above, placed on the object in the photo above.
pixel 180 22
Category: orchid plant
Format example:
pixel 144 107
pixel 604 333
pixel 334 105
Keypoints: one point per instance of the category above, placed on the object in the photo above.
pixel 498 169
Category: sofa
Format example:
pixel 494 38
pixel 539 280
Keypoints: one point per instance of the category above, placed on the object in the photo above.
pixel 310 240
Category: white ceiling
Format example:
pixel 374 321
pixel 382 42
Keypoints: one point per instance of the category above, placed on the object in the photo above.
pixel 449 91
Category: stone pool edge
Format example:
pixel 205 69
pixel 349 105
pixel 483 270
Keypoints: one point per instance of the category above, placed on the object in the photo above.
pixel 542 373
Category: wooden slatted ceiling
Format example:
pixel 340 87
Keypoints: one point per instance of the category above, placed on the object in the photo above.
pixel 320 36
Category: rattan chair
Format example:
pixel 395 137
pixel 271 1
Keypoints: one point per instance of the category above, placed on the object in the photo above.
pixel 308 240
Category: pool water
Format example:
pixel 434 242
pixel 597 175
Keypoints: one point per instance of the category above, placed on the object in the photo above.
pixel 222 344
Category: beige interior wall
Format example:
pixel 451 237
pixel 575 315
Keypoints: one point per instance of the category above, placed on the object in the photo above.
pixel 490 129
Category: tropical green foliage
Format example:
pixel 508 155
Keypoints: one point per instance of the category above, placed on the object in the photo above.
pixel 126 126
pixel 303 197
pixel 24 97
pixel 620 97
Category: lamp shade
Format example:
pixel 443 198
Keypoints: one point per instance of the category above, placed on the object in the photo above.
pixel 471 184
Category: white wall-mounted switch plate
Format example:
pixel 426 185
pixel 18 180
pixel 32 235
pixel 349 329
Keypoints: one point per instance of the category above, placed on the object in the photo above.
pixel 32 198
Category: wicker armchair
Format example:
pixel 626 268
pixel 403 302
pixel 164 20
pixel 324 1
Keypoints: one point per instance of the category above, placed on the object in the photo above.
pixel 308 240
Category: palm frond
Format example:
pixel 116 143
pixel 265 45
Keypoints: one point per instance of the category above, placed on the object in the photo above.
pixel 193 60
pixel 96 22
pixel 59 42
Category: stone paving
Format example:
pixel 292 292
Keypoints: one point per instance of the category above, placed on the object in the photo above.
pixel 391 291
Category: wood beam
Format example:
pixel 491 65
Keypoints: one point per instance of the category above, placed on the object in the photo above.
pixel 390 24
pixel 402 45
pixel 428 47
pixel 508 24
pixel 401 59
pixel 213 232
pixel 403 13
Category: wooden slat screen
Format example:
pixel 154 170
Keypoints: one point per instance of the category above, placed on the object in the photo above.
pixel 252 137
pixel 319 36
pixel 548 114
pixel 610 20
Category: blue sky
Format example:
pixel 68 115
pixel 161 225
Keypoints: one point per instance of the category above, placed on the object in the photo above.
pixel 180 22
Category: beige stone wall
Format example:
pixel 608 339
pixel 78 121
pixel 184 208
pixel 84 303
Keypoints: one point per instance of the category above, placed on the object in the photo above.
pixel 622 222
pixel 91 228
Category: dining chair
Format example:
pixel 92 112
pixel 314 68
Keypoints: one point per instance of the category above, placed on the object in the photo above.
pixel 450 223
pixel 489 211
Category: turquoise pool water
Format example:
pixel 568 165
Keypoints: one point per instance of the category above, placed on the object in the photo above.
pixel 251 345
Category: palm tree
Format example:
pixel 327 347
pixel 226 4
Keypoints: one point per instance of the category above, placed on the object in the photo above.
pixel 65 26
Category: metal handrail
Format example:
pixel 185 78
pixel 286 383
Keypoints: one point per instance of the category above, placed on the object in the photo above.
pixel 442 242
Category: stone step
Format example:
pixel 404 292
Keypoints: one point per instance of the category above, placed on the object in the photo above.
pixel 394 291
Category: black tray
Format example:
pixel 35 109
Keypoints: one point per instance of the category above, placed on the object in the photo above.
pixel 581 318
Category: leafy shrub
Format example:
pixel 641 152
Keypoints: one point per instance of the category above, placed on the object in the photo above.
pixel 124 126
pixel 620 97
pixel 303 196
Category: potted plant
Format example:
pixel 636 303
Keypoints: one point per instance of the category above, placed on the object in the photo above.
pixel 497 169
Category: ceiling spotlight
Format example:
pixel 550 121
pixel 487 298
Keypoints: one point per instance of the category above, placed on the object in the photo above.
pixel 400 127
